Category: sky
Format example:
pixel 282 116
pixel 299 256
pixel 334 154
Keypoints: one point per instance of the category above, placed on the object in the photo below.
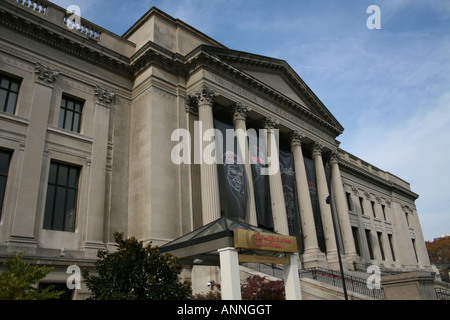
pixel 388 87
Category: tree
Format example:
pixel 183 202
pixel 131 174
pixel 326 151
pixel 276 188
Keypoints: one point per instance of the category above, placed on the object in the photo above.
pixel 439 253
pixel 19 280
pixel 258 288
pixel 135 272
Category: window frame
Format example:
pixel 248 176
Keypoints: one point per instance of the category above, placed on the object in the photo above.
pixel 4 176
pixel 9 91
pixel 63 186
pixel 64 110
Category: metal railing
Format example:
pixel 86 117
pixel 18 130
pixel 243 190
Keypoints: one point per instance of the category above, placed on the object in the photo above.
pixel 442 294
pixel 355 284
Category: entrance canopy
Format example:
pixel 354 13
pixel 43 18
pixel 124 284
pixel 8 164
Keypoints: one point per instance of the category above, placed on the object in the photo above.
pixel 200 246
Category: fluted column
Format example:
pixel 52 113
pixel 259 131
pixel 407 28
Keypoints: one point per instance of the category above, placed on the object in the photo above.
pixel 240 115
pixel 304 199
pixel 342 209
pixel 275 185
pixel 204 98
pixel 325 210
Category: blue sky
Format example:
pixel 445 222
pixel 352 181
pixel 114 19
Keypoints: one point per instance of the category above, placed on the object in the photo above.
pixel 388 87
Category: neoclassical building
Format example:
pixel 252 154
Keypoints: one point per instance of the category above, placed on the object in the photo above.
pixel 87 122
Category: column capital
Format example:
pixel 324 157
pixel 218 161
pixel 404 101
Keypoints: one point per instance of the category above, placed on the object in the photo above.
pixel 45 74
pixel 104 96
pixel 317 149
pixel 240 111
pixel 270 123
pixel 335 156
pixel 204 95
pixel 296 138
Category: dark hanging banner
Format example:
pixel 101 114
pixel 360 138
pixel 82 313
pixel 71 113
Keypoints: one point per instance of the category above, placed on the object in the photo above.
pixel 258 160
pixel 290 192
pixel 311 177
pixel 234 170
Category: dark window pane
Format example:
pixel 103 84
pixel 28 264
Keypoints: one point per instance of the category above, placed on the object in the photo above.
pixel 73 177
pixel 68 121
pixel 4 83
pixel 11 104
pixel 58 217
pixel 48 216
pixel 3 95
pixel 70 210
pixel 53 173
pixel 15 86
pixel 63 172
pixel 4 162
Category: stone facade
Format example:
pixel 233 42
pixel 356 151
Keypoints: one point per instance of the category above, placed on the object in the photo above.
pixel 135 90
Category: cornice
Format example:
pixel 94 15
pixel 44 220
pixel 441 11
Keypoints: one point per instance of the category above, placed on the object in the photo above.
pixel 388 185
pixel 64 40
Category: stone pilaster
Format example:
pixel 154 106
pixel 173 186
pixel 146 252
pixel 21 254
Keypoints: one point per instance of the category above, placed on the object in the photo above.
pixel 24 223
pixel 104 102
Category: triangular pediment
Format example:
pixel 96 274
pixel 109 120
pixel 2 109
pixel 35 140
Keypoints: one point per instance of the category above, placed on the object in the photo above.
pixel 277 76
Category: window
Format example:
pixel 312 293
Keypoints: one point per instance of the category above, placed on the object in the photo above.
pixel 369 243
pixel 61 203
pixel 372 203
pixel 356 239
pixel 391 244
pixel 380 242
pixel 70 114
pixel 383 209
pixel 349 201
pixel 414 248
pixel 5 159
pixel 9 91
pixel 361 202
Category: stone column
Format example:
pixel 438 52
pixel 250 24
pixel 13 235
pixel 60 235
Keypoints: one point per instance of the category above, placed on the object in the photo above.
pixel 24 223
pixel 325 209
pixel 240 115
pixel 104 101
pixel 275 185
pixel 204 98
pixel 291 279
pixel 229 274
pixel 342 210
pixel 310 255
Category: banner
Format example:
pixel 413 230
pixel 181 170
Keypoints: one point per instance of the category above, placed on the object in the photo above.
pixel 311 177
pixel 258 160
pixel 290 192
pixel 234 170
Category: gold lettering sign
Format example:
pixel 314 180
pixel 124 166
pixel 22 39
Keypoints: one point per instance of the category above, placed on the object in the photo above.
pixel 247 239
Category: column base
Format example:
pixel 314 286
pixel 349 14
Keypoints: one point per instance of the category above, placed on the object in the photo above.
pixel 333 261
pixel 314 258
pixel 92 248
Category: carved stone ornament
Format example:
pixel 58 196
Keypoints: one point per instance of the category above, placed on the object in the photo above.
pixel 46 74
pixel 317 149
pixel 271 123
pixel 205 95
pixel 240 111
pixel 296 138
pixel 335 156
pixel 104 96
